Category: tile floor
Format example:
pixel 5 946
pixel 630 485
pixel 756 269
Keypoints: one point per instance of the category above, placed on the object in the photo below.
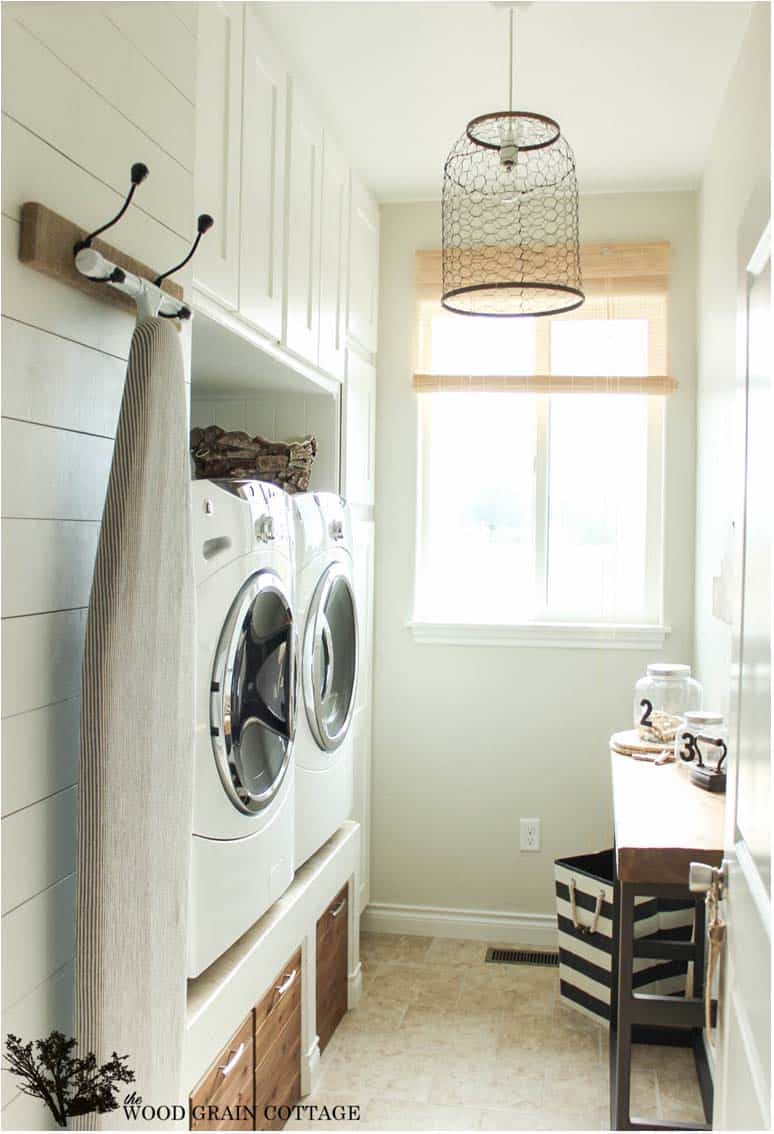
pixel 443 1041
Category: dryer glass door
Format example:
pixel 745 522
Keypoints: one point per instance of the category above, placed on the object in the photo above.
pixel 330 658
pixel 253 683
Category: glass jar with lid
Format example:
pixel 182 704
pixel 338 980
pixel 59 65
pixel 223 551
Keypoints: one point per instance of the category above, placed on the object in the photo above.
pixel 701 739
pixel 662 698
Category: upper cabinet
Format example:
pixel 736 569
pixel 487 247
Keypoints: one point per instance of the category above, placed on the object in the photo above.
pixel 359 431
pixel 305 148
pixel 363 268
pixel 218 148
pixel 262 209
pixel 295 247
pixel 334 263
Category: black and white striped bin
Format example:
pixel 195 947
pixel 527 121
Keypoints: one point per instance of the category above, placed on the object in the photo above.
pixel 584 906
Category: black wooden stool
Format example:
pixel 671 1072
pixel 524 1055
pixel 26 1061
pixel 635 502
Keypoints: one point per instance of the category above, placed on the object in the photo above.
pixel 645 1018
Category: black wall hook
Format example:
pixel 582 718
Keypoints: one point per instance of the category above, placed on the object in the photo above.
pixel 203 224
pixel 139 172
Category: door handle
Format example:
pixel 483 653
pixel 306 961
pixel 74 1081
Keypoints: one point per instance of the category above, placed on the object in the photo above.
pixel 342 904
pixel 326 641
pixel 702 878
pixel 281 989
pixel 228 1067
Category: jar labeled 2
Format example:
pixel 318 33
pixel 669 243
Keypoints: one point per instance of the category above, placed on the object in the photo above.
pixel 662 698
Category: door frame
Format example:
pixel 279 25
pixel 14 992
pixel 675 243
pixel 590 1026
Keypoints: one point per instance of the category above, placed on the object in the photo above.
pixel 753 248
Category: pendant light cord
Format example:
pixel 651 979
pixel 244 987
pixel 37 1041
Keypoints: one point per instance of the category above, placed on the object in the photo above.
pixel 510 60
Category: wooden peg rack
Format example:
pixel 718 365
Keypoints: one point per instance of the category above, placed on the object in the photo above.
pixel 47 242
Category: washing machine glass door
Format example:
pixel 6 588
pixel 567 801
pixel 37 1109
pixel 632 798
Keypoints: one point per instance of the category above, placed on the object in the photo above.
pixel 253 693
pixel 330 658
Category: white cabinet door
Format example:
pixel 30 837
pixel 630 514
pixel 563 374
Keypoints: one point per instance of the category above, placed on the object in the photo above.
pixel 363 569
pixel 264 111
pixel 218 147
pixel 363 267
pixel 303 234
pixel 361 797
pixel 333 260
pixel 359 431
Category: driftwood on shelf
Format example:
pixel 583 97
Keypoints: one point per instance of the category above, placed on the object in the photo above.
pixel 235 455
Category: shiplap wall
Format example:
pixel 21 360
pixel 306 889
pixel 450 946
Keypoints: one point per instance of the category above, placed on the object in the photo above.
pixel 88 88
pixel 281 417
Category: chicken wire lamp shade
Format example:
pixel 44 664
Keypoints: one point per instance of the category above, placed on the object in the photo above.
pixel 510 219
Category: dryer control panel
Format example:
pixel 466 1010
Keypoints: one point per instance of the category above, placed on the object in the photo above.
pixel 264 528
pixel 336 519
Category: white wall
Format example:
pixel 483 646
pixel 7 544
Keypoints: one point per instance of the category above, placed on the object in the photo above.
pixel 739 161
pixel 469 738
pixel 87 90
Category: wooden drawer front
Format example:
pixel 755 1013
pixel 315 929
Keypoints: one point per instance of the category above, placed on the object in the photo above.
pixel 331 1005
pixel 228 1083
pixel 332 942
pixel 332 926
pixel 278 1076
pixel 277 1006
pixel 292 1097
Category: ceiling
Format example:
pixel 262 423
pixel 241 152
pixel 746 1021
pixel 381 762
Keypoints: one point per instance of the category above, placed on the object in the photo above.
pixel 635 86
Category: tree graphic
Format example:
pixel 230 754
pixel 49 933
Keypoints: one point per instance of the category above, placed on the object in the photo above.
pixel 68 1084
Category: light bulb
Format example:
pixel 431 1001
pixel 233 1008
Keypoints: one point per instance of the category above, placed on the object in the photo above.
pixel 509 149
pixel 508 154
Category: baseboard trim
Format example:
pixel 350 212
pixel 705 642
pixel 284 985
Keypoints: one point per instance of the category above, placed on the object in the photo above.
pixel 354 986
pixel 495 926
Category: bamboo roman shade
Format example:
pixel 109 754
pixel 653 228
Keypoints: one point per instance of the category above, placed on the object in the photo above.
pixel 621 282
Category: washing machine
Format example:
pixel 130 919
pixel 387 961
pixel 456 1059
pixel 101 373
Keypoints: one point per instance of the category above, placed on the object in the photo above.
pixel 246 692
pixel 327 618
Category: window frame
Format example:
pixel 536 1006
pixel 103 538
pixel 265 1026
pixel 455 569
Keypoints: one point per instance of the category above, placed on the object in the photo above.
pixel 546 629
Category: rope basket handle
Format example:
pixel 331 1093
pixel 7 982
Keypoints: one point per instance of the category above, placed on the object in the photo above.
pixel 574 911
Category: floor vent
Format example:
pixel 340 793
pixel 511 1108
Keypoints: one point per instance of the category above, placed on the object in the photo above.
pixel 520 957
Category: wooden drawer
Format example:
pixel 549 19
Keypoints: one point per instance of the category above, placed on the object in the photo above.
pixel 332 946
pixel 277 1006
pixel 331 965
pixel 278 1076
pixel 228 1083
pixel 261 1064
pixel 292 1097
pixel 332 926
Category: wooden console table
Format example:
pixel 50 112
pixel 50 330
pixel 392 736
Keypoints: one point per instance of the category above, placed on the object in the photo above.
pixel 663 822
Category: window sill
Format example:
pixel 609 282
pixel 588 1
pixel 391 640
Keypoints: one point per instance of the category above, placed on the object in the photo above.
pixel 549 635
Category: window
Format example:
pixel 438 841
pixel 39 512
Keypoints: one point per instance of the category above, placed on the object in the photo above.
pixel 538 504
pixel 478 550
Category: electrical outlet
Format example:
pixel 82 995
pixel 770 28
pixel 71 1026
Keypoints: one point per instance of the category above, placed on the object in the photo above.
pixel 529 835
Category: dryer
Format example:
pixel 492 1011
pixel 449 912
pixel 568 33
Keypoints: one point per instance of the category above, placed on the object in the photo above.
pixel 327 620
pixel 245 711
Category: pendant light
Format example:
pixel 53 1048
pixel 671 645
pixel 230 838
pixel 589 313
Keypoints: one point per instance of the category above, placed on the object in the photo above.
pixel 510 216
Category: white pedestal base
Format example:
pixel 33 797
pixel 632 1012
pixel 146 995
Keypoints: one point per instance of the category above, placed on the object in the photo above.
pixel 354 986
pixel 310 1068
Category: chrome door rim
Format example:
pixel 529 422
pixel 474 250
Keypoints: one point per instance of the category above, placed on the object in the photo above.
pixel 263 581
pixel 314 628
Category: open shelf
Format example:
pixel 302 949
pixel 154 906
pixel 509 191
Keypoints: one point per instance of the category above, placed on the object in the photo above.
pixel 231 359
pixel 240 380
